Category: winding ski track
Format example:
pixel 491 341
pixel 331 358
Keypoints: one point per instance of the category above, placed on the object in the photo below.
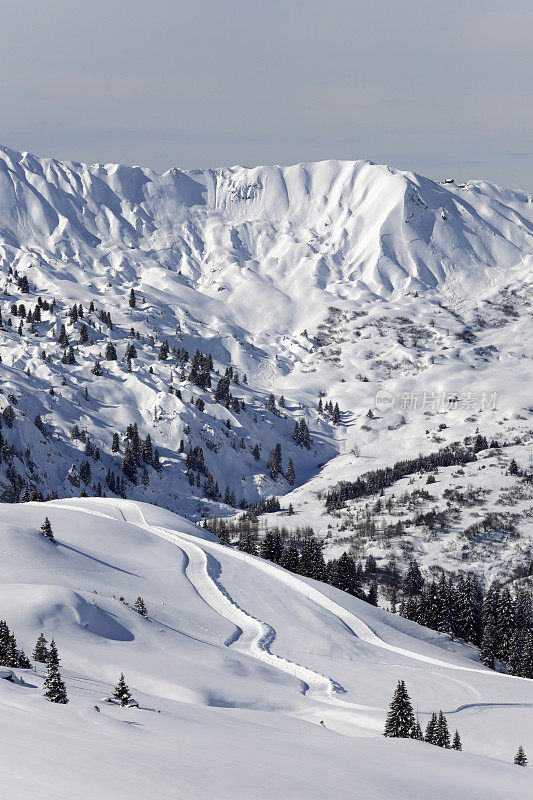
pixel 253 637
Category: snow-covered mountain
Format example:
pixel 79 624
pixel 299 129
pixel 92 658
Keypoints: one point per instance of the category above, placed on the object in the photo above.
pixel 326 282
pixel 348 339
pixel 250 681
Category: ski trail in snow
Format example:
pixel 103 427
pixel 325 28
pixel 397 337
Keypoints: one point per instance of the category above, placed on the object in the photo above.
pixel 356 625
pixel 256 634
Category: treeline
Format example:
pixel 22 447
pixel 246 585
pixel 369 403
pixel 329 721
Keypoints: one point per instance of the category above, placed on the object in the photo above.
pixel 374 481
pixel 500 625
pixel 300 552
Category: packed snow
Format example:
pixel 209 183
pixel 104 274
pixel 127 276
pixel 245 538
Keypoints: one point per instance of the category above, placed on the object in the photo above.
pixel 246 676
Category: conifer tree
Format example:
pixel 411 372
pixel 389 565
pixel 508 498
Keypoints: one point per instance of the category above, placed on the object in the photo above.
pixel 430 735
pixel 140 607
pixel 121 691
pixel 290 558
pixel 456 744
pixel 416 732
pixel 110 352
pixel 442 733
pixel 55 689
pixel 486 652
pixel 400 719
pixel 40 651
pixel 520 758
pixel 53 655
pixel 46 530
pixel 289 472
pixel 132 302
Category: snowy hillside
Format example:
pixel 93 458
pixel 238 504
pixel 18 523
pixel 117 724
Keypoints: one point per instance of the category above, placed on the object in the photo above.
pixel 250 681
pixel 299 289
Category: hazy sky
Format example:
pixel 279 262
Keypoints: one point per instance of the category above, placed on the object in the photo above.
pixel 444 88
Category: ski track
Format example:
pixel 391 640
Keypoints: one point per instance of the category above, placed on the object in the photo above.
pixel 254 637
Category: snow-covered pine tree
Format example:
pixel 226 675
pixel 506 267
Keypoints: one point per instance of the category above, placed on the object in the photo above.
pixel 442 738
pixel 274 465
pixel 46 530
pixel 416 732
pixel 40 651
pixel 520 758
pixel 456 744
pixel 430 735
pixel 289 472
pixel 312 563
pixel 121 691
pixel 55 689
pixel 290 558
pixel 110 352
pixel 53 655
pixel 486 651
pixel 400 719
pixel 140 607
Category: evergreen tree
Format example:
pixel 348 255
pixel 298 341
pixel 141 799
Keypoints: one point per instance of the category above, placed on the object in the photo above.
pixel 416 732
pixel 121 691
pixel 55 689
pixel 140 607
pixel 290 558
pixel 442 734
pixel 312 561
pixel 53 655
pixel 110 352
pixel 132 302
pixel 289 472
pixel 400 719
pixel 274 464
pixel 413 581
pixel 372 594
pixel 343 575
pixel 163 352
pixel 486 652
pixel 46 530
pixel 456 744
pixel 520 758
pixel 40 651
pixel 85 472
pixel 431 733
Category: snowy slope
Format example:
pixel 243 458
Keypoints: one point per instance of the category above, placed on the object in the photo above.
pixel 334 279
pixel 234 663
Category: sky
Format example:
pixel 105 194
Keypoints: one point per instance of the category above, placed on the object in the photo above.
pixel 444 89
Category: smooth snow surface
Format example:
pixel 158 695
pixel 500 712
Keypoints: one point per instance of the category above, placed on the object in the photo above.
pixel 242 660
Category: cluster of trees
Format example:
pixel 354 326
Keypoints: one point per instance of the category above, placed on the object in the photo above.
pixel 10 654
pixel 500 625
pixel 300 553
pixel 54 686
pixel 332 410
pixel 376 480
pixel 138 455
pixel 402 724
